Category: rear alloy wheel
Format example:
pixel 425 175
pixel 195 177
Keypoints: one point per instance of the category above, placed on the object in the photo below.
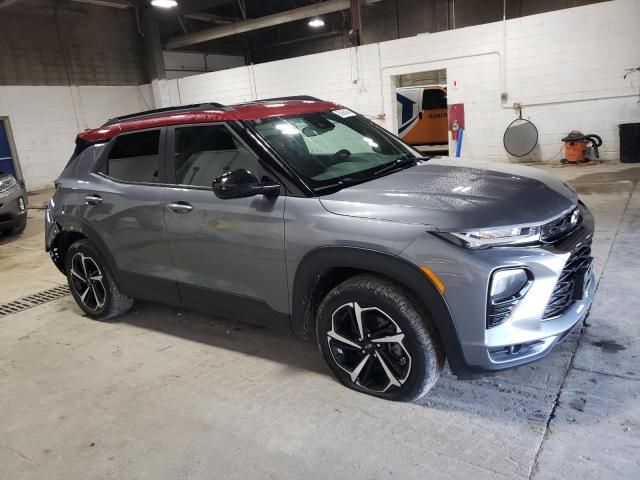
pixel 87 282
pixel 377 340
pixel 92 284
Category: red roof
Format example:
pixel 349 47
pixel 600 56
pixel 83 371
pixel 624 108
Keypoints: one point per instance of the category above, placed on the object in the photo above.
pixel 245 111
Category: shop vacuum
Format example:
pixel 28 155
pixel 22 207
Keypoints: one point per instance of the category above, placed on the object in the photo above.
pixel 576 146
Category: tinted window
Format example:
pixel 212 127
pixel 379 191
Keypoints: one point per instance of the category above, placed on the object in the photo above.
pixel 134 157
pixel 434 100
pixel 204 153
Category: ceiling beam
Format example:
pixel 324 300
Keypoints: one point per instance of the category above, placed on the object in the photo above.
pixel 249 25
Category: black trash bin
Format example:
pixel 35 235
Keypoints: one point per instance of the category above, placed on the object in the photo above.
pixel 630 142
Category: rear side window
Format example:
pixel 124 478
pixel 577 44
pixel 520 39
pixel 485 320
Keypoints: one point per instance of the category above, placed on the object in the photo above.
pixel 434 99
pixel 206 152
pixel 135 157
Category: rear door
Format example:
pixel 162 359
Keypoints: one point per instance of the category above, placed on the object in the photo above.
pixel 228 254
pixel 124 207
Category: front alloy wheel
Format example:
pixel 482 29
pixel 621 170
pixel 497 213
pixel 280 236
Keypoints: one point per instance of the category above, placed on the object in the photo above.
pixel 369 345
pixel 376 339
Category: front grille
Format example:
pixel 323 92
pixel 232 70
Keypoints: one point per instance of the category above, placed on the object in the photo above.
pixel 562 226
pixel 571 284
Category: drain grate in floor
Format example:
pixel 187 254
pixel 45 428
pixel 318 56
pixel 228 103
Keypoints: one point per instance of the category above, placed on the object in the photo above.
pixel 33 300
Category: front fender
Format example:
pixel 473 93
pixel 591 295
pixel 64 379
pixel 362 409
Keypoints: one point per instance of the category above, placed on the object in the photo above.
pixel 322 259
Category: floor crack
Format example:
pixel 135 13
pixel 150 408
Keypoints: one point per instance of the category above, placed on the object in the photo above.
pixel 570 366
pixel 598 372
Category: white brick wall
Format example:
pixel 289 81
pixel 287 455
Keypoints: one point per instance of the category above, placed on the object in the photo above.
pixel 45 121
pixel 566 67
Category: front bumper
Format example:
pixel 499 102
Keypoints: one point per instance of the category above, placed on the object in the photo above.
pixel 10 213
pixel 525 336
pixel 515 348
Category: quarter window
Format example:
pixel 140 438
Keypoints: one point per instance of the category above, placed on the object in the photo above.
pixel 204 153
pixel 134 157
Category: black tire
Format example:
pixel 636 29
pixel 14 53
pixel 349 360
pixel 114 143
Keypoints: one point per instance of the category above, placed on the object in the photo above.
pixel 387 310
pixel 18 229
pixel 101 299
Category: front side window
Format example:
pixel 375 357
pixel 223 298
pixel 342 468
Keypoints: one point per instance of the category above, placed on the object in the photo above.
pixel 332 148
pixel 203 153
pixel 135 157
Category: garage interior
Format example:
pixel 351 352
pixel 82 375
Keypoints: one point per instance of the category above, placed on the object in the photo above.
pixel 166 392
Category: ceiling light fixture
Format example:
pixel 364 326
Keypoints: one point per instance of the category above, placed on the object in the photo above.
pixel 164 3
pixel 316 22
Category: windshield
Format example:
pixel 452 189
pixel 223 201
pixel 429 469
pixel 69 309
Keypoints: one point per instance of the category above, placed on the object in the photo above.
pixel 330 149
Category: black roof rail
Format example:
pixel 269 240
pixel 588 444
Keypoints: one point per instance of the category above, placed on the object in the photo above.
pixel 156 111
pixel 294 97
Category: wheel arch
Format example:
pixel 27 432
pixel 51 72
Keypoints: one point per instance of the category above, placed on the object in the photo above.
pixel 70 231
pixel 323 268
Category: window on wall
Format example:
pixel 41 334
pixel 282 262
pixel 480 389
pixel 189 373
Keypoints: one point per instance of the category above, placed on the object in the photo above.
pixel 204 153
pixel 135 157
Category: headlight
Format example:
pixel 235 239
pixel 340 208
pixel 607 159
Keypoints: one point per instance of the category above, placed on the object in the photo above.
pixel 491 237
pixel 7 183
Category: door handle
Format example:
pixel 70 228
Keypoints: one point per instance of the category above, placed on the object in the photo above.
pixel 180 207
pixel 93 199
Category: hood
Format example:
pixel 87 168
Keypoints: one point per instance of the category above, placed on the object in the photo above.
pixel 452 194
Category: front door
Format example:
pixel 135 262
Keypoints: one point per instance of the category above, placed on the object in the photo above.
pixel 228 254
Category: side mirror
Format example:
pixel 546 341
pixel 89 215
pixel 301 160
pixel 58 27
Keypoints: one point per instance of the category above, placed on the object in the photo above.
pixel 242 183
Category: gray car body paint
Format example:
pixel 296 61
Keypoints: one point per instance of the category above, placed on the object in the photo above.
pixel 254 248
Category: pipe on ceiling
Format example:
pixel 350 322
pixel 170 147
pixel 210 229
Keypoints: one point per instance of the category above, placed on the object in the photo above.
pixel 207 17
pixel 106 3
pixel 257 23
pixel 6 3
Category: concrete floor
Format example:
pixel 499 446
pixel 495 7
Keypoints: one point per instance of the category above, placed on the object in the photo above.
pixel 165 393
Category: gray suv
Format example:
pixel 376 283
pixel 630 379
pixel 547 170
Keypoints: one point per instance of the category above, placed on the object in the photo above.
pixel 302 215
pixel 13 205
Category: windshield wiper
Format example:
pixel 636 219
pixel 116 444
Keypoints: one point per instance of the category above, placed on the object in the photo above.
pixel 397 164
pixel 343 182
